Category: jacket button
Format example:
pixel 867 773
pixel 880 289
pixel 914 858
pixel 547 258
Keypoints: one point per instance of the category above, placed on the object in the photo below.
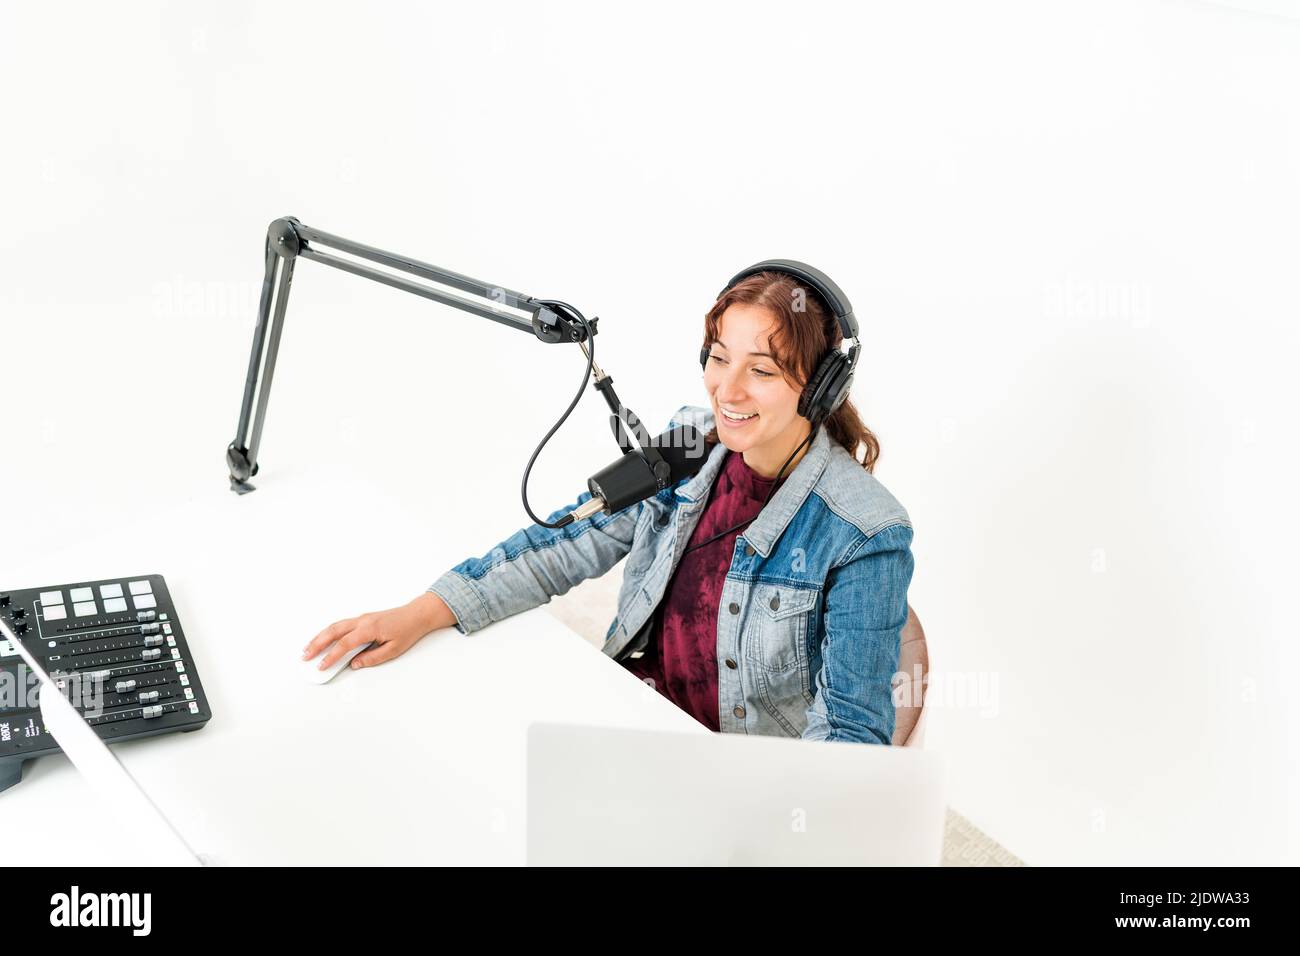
pixel 749 550
pixel 731 663
pixel 738 711
pixel 733 607
pixel 775 602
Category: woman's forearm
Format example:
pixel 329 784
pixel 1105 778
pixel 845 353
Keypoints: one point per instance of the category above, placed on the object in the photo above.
pixel 432 612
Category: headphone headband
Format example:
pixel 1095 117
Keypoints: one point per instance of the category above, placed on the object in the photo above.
pixel 831 293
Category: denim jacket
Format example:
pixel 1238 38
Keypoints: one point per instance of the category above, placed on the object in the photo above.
pixel 811 608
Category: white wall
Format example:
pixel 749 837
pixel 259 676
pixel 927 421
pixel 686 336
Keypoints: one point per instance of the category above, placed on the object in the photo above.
pixel 1070 230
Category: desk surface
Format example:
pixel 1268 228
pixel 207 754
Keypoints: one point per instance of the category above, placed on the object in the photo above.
pixel 417 761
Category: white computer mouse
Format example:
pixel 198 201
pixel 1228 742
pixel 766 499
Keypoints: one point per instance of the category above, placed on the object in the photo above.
pixel 317 676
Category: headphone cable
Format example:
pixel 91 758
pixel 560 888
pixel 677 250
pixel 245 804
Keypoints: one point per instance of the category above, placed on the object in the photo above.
pixel 770 492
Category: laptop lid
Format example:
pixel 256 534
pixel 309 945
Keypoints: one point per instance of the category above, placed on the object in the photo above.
pixel 608 796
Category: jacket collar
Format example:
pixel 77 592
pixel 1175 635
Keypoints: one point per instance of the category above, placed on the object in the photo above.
pixel 789 498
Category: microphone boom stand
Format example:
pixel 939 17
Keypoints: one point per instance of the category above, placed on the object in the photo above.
pixel 288 239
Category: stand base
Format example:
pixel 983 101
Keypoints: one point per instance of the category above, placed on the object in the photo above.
pixel 240 469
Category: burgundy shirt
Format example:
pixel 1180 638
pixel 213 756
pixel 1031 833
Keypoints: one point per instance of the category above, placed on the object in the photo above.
pixel 681 657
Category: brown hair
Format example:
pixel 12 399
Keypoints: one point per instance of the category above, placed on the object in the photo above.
pixel 805 330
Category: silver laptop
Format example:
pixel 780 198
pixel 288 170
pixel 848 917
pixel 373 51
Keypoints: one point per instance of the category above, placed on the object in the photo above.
pixel 601 796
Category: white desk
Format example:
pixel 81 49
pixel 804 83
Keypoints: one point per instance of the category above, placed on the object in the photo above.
pixel 416 761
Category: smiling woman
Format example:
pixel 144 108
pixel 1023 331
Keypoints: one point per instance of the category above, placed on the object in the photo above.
pixel 763 595
pixel 770 342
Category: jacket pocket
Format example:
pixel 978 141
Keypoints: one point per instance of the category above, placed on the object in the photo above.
pixel 777 650
pixel 649 539
pixel 641 555
pixel 777 637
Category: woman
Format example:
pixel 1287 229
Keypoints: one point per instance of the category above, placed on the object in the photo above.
pixel 763 595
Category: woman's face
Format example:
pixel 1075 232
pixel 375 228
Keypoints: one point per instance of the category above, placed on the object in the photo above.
pixel 741 380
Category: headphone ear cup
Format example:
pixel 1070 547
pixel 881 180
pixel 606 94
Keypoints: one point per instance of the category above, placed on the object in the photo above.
pixel 827 388
pixel 704 357
pixel 812 392
pixel 837 389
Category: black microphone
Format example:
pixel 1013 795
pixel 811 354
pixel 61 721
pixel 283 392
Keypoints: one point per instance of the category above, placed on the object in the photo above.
pixel 633 478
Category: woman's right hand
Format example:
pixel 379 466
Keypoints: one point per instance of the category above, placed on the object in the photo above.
pixel 391 633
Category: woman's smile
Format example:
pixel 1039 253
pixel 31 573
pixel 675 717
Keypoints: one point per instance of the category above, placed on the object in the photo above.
pixel 734 419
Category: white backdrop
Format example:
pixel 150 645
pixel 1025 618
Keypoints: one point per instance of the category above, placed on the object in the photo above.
pixel 1069 230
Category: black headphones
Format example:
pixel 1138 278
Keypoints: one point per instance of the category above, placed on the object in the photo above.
pixel 828 386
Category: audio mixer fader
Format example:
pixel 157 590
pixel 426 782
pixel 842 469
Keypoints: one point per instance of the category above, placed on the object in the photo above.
pixel 118 649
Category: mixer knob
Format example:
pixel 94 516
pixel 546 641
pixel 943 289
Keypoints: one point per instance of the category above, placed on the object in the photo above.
pixel 153 641
pixel 150 628
pixel 124 687
pixel 154 711
pixel 20 629
pixel 19 614
pixel 143 616
pixel 4 600
pixel 151 655
pixel 148 696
